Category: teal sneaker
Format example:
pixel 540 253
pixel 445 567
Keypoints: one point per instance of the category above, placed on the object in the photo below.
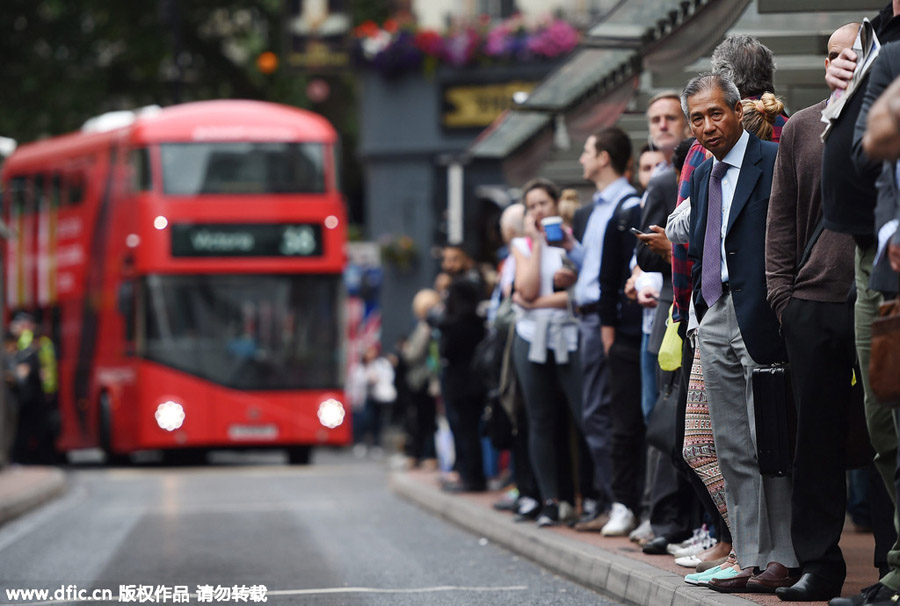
pixel 701 578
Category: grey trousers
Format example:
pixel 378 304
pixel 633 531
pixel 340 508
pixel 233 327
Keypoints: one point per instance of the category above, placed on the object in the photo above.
pixel 595 402
pixel 759 509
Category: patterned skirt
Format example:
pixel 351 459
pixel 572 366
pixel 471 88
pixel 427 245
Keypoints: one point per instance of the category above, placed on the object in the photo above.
pixel 699 448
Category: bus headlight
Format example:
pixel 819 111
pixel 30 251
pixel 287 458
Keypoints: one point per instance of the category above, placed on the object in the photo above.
pixel 169 415
pixel 331 413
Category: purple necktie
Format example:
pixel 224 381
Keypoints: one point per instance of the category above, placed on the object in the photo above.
pixel 711 286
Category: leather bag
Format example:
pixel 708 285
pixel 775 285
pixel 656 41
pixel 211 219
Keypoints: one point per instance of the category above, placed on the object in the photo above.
pixel 661 424
pixel 776 419
pixel 884 365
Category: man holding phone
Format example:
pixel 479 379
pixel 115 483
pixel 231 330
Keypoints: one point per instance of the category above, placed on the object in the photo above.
pixel 603 160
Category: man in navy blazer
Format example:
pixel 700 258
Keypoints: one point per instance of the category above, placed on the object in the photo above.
pixel 738 330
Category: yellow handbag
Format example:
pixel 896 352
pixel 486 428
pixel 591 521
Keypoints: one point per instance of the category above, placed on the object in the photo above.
pixel 670 350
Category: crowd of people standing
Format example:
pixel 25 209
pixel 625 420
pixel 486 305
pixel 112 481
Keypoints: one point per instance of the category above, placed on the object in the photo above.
pixel 637 353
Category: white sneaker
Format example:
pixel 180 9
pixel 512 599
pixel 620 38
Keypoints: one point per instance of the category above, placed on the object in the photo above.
pixel 642 533
pixel 566 512
pixel 700 542
pixel 691 561
pixel 696 549
pixel 621 522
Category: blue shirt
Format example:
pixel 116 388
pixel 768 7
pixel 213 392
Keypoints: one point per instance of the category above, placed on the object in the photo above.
pixel 588 253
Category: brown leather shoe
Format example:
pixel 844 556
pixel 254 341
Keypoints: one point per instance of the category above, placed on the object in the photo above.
pixel 774 576
pixel 736 584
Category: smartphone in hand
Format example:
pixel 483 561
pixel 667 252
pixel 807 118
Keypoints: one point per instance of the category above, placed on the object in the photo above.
pixel 637 232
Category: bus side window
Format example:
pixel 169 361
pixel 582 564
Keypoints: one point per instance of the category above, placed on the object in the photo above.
pixel 17 189
pixel 74 190
pixel 39 194
pixel 55 190
pixel 126 301
pixel 141 180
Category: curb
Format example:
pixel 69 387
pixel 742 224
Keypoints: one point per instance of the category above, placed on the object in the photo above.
pixel 25 488
pixel 617 576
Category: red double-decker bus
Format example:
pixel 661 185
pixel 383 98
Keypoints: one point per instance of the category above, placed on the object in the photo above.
pixel 187 264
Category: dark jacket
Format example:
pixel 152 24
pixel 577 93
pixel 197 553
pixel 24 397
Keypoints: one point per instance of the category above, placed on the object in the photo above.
pixel 848 183
pixel 461 327
pixel 662 194
pixel 580 220
pixel 618 246
pixel 745 240
pixel 882 74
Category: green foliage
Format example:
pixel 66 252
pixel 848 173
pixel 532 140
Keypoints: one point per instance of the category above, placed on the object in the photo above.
pixel 371 10
pixel 65 61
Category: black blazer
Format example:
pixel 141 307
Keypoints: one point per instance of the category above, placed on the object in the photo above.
pixel 882 74
pixel 745 249
pixel 580 220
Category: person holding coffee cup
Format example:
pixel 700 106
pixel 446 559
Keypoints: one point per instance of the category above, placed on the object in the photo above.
pixel 545 349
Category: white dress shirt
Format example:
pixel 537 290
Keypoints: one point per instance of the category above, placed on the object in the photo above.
pixel 734 159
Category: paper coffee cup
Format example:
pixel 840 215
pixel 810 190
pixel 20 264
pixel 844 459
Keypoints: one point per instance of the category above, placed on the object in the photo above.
pixel 552 228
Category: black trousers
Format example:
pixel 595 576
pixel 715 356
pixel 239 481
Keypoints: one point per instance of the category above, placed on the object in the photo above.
pixel 821 350
pixel 523 473
pixel 628 447
pixel 420 425
pixel 463 405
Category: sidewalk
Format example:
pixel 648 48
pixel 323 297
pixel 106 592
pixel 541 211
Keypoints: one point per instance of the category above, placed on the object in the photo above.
pixel 613 566
pixel 23 488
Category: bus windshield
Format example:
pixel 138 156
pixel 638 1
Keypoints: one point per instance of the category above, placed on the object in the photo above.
pixel 189 169
pixel 246 332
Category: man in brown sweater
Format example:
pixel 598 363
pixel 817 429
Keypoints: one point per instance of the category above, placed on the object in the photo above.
pixel 809 272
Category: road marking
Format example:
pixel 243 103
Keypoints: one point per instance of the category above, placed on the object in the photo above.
pixel 321 591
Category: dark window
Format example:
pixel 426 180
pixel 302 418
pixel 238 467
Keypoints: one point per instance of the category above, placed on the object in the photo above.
pixel 74 188
pixel 39 195
pixel 17 192
pixel 140 170
pixel 55 190
pixel 247 332
pixel 242 168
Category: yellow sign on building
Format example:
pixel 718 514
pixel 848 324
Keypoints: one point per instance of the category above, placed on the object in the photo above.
pixel 477 105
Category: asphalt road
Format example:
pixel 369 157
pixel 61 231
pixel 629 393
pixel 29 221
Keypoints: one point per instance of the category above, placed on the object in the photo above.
pixel 327 534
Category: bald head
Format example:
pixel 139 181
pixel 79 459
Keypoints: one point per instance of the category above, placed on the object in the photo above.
pixel 843 37
pixel 512 223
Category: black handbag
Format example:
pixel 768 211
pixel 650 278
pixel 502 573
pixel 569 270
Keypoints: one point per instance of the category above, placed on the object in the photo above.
pixel 662 422
pixel 776 419
pixel 496 425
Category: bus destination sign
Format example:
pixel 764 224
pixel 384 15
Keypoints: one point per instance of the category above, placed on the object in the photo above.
pixel 246 240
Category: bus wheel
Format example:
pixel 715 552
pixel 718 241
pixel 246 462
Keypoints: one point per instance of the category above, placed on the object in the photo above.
pixel 105 430
pixel 299 455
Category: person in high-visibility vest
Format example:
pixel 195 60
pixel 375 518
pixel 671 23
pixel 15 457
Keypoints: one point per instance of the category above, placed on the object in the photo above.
pixel 24 327
pixel 46 351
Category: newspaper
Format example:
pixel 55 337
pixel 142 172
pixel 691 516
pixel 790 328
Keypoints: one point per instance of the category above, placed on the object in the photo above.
pixel 866 48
